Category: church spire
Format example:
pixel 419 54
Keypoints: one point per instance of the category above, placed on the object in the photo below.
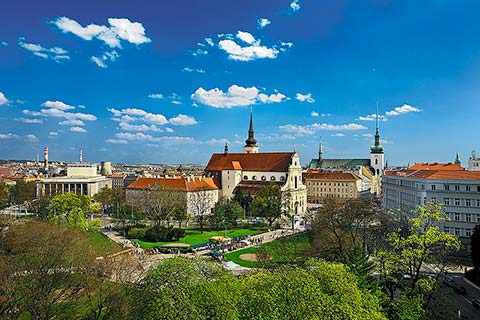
pixel 251 142
pixel 320 151
pixel 457 159
pixel 377 147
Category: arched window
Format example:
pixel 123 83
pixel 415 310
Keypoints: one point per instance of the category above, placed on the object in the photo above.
pixel 282 178
pixel 296 180
pixel 272 178
pixel 254 178
pixel 264 178
pixel 245 178
pixel 376 160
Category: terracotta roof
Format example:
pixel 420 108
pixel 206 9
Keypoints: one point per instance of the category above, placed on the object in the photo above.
pixel 436 174
pixel 180 184
pixel 437 166
pixel 118 175
pixel 270 162
pixel 317 174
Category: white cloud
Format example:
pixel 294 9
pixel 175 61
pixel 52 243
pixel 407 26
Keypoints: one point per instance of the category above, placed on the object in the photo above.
pixel 139 127
pixel 187 69
pixel 209 41
pixel 170 130
pixel 28 120
pixel 119 29
pixel 295 5
pixel 12 136
pixel 139 136
pixel 72 122
pixel 338 134
pixel 372 117
pixel 31 138
pixel 246 37
pixel 402 110
pixel 3 99
pixel 305 97
pixel 367 135
pixel 217 141
pixel 4 43
pixel 102 60
pixel 247 53
pixel 156 96
pixel 55 53
pixel 57 105
pixel 236 96
pixel 262 23
pixel 8 136
pixel 78 129
pixel 314 114
pixel 116 141
pixel 199 52
pixel 175 102
pixel 273 98
pixel 53 133
pixel 326 115
pixel 311 129
pixel 183 120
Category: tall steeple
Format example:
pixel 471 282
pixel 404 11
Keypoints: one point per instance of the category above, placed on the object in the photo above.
pixel 457 159
pixel 320 151
pixel 251 142
pixel 377 147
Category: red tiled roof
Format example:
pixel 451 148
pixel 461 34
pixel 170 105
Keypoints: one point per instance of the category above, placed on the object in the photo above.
pixel 179 184
pixel 268 161
pixel 318 174
pixel 436 166
pixel 436 174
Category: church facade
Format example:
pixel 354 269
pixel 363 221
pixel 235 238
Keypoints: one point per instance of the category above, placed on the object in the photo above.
pixel 247 172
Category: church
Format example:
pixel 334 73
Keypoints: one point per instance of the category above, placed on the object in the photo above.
pixel 370 170
pixel 246 172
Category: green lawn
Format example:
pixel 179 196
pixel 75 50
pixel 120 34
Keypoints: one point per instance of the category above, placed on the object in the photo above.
pixel 290 250
pixel 105 244
pixel 194 236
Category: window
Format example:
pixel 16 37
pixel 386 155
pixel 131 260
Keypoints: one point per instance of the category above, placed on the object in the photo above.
pixel 478 203
pixel 446 229
pixel 282 178
pixel 272 178
pixel 457 188
pixel 457 216
pixel 468 188
pixel 254 178
pixel 376 161
pixel 457 201
pixel 468 217
pixel 468 202
pixel 447 187
pixel 245 178
pixel 468 232
pixel 264 178
pixel 434 187
pixel 447 201
pixel 296 180
pixel 457 231
pixel 434 199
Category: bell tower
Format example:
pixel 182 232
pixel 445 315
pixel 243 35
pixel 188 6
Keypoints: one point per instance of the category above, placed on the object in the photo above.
pixel 251 142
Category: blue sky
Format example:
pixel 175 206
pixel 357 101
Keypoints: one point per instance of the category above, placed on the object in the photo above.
pixel 157 81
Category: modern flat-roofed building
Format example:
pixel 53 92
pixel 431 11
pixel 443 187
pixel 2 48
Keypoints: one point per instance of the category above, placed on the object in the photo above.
pixel 81 179
pixel 448 184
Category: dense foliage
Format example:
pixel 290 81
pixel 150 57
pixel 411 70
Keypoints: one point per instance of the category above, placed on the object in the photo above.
pixel 160 233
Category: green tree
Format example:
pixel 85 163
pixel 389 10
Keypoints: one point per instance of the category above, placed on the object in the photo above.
pixel 105 198
pixel 270 203
pixel 4 196
pixel 22 192
pixel 411 252
pixel 71 209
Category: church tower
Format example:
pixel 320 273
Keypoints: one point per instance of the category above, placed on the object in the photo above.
pixel 250 143
pixel 377 157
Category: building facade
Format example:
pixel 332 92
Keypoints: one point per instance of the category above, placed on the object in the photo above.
pixel 448 184
pixel 324 184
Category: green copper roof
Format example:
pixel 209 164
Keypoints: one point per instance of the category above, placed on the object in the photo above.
pixel 338 163
pixel 376 149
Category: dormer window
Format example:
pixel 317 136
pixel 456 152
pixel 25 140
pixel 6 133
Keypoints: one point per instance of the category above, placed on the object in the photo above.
pixel 272 178
pixel 254 178
pixel 282 178
pixel 245 178
pixel 264 178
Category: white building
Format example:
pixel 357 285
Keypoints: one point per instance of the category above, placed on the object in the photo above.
pixel 247 172
pixel 448 184
pixel 81 179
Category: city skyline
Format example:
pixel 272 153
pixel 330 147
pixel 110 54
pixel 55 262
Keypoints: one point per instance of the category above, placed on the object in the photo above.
pixel 171 83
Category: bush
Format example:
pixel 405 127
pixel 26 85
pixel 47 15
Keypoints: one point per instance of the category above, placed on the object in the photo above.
pixel 159 233
pixel 137 233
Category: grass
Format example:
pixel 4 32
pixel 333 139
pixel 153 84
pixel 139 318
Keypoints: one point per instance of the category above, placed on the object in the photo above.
pixel 194 236
pixel 106 245
pixel 290 250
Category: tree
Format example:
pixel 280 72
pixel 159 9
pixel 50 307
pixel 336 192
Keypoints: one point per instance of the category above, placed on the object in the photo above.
pixel 410 251
pixel 104 197
pixel 22 192
pixel 162 205
pixel 71 209
pixel 270 203
pixel 225 214
pixel 201 203
pixel 4 196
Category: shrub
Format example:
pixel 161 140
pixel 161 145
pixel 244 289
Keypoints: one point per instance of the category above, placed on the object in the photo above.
pixel 137 233
pixel 159 233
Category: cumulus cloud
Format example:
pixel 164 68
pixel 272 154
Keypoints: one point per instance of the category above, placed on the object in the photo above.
pixel 236 96
pixel 305 97
pixel 367 135
pixel 139 127
pixel 156 96
pixel 262 23
pixel 56 54
pixel 314 114
pixel 169 130
pixel 311 129
pixel 78 129
pixel 106 57
pixel 72 122
pixel 139 136
pixel 13 136
pixel 372 117
pixel 31 138
pixel 57 105
pixel 295 5
pixel 176 102
pixel 59 109
pixel 402 110
pixel 338 134
pixel 118 29
pixel 251 51
pixel 53 133
pixel 116 141
pixel 3 99
pixel 183 120
pixel 199 52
